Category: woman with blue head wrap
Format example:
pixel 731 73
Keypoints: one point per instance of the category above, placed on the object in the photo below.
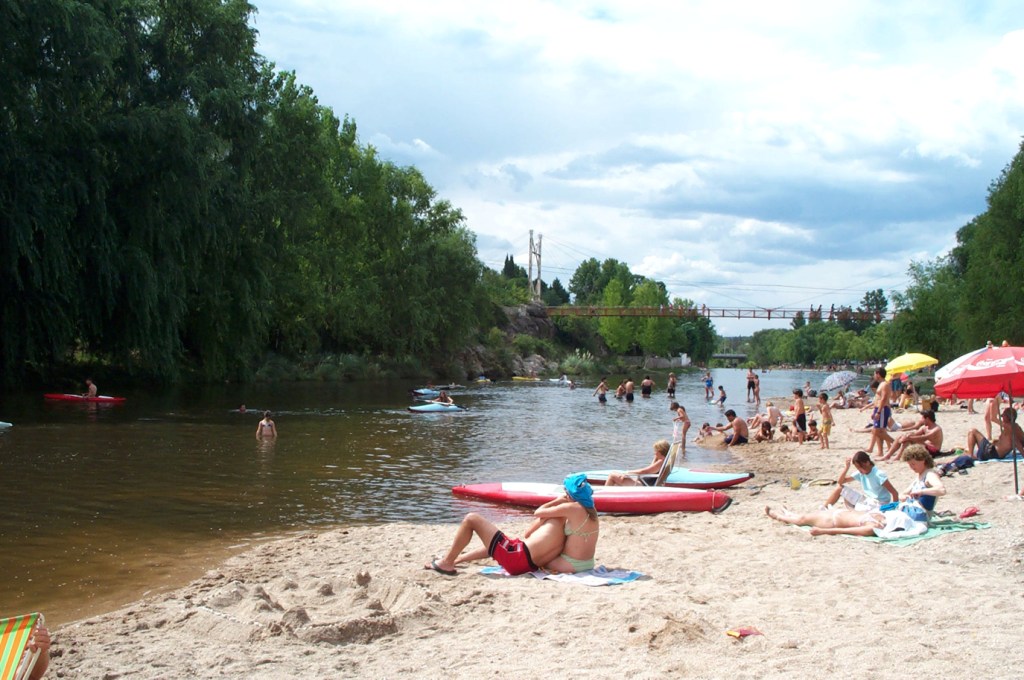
pixel 562 538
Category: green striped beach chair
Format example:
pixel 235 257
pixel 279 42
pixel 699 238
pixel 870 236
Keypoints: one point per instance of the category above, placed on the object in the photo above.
pixel 16 662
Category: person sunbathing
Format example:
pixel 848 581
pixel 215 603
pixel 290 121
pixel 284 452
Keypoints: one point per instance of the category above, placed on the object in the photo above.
pixel 632 477
pixel 1010 438
pixel 562 538
pixel 915 505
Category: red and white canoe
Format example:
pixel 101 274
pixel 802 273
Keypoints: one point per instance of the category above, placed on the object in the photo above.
pixel 102 398
pixel 632 500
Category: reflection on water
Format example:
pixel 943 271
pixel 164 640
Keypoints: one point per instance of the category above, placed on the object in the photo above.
pixel 102 502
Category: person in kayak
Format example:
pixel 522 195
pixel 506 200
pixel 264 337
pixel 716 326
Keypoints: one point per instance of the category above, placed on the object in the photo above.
pixel 561 539
pixel 266 429
pixel 90 388
pixel 443 398
pixel 632 477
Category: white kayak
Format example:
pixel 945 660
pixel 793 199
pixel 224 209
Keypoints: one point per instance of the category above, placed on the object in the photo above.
pixel 434 407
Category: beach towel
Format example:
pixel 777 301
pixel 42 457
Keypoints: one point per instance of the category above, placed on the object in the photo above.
pixel 937 527
pixel 598 576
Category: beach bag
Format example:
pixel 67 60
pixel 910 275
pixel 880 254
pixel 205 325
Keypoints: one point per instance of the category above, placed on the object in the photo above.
pixel 913 510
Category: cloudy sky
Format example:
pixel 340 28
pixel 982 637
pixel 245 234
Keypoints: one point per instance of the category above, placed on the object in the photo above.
pixel 747 154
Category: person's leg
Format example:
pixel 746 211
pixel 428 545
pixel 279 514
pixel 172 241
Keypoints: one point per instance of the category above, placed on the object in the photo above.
pixel 855 531
pixel 810 519
pixel 471 524
pixel 618 479
pixel 833 497
pixel 973 439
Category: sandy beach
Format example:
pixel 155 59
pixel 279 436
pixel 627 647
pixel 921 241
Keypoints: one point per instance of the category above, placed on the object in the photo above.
pixel 356 602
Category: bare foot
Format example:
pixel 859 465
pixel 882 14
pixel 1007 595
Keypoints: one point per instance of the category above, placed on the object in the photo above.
pixel 815 531
pixel 774 515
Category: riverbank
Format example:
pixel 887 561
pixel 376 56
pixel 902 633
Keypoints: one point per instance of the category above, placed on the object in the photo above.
pixel 356 601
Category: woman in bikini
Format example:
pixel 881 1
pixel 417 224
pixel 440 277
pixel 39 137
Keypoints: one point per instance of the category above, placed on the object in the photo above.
pixel 266 429
pixel 562 538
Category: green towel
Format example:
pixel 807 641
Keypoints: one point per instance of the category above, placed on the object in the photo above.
pixel 937 527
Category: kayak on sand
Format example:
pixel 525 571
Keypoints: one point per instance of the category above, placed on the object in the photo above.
pixel 682 477
pixel 632 500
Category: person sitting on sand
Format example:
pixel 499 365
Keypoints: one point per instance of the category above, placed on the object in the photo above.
pixel 840 400
pixel 929 434
pixel 1010 438
pixel 787 433
pixel 764 433
pixel 739 429
pixel 631 477
pixel 813 434
pixel 914 505
pixel 562 538
pixel 875 488
pixel 705 431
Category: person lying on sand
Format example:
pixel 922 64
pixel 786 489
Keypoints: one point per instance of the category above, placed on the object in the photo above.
pixel 914 505
pixel 562 538
pixel 631 477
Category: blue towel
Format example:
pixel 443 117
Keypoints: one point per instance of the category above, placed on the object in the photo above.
pixel 598 576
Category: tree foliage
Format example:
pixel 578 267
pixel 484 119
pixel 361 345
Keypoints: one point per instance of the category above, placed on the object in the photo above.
pixel 167 200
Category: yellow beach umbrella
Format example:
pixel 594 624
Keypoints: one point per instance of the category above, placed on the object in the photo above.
pixel 908 362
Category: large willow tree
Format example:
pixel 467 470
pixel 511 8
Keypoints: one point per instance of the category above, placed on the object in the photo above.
pixel 167 201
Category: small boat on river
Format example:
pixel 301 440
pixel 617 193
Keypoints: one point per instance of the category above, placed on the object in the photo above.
pixel 101 398
pixel 435 407
pixel 628 500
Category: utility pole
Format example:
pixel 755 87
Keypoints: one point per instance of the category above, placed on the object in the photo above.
pixel 534 284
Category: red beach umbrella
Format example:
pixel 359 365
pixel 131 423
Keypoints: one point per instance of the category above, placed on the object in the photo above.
pixel 982 374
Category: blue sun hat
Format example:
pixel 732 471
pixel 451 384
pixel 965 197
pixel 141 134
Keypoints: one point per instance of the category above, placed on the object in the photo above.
pixel 579 489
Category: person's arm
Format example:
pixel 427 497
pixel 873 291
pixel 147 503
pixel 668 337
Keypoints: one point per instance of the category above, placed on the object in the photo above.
pixel 843 478
pixel 555 509
pixel 259 426
pixel 41 641
pixel 893 493
pixel 536 524
pixel 933 485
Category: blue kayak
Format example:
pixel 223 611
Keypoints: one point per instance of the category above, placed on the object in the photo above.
pixel 683 477
pixel 426 392
pixel 434 407
pixel 4 426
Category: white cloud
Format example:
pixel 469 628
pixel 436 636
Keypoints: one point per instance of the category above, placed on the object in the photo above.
pixel 774 145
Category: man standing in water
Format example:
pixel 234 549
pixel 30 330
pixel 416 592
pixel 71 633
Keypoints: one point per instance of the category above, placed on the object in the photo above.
pixel 751 384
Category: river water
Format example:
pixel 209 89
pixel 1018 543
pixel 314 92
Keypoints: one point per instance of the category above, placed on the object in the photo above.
pixel 105 503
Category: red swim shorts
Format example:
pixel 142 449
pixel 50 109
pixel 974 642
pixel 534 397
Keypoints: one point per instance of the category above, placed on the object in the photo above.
pixel 511 553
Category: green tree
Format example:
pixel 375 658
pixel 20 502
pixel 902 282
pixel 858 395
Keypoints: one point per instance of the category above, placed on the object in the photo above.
pixel 618 332
pixel 555 295
pixel 654 333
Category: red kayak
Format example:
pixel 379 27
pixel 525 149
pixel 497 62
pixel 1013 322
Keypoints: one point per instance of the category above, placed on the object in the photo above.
pixel 102 398
pixel 630 500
